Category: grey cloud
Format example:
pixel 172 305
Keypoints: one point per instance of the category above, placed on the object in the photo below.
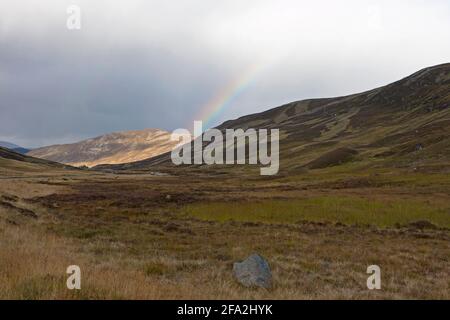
pixel 139 64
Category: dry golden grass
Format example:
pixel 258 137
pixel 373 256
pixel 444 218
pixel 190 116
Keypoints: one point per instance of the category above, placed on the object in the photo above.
pixel 33 267
pixel 133 242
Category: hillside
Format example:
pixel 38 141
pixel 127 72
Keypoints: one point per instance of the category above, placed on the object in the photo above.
pixel 12 162
pixel 405 123
pixel 113 148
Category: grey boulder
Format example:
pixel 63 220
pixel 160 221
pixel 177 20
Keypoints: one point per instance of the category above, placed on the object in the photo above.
pixel 253 272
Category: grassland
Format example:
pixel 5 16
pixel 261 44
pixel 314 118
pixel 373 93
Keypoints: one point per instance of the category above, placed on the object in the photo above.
pixel 142 236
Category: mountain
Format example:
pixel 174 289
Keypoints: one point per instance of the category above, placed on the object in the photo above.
pixel 406 123
pixel 14 147
pixel 8 145
pixel 112 148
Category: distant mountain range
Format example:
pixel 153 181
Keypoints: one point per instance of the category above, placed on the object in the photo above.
pixel 14 147
pixel 112 148
pixel 8 145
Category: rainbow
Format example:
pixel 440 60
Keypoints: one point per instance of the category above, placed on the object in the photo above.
pixel 214 108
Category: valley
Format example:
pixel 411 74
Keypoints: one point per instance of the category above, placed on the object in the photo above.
pixel 363 180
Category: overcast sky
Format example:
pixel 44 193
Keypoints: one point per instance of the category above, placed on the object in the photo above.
pixel 138 64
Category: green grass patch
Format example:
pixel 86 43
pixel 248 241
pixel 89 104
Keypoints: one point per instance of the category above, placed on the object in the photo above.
pixel 347 210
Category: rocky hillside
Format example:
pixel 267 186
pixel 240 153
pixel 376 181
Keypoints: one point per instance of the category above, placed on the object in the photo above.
pixel 113 148
pixel 406 123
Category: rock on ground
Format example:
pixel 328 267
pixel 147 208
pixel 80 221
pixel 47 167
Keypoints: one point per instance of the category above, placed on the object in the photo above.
pixel 253 272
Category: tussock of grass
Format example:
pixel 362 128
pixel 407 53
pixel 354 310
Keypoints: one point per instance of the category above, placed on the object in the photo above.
pixel 348 210
pixel 156 268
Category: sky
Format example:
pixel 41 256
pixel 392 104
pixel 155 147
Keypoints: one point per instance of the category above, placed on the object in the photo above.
pixel 139 64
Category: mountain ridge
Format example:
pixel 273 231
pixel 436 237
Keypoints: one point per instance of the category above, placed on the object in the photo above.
pixel 8 145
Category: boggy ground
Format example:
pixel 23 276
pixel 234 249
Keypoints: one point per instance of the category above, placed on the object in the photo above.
pixel 176 237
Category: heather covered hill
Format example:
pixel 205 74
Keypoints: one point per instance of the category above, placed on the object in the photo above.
pixel 405 123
